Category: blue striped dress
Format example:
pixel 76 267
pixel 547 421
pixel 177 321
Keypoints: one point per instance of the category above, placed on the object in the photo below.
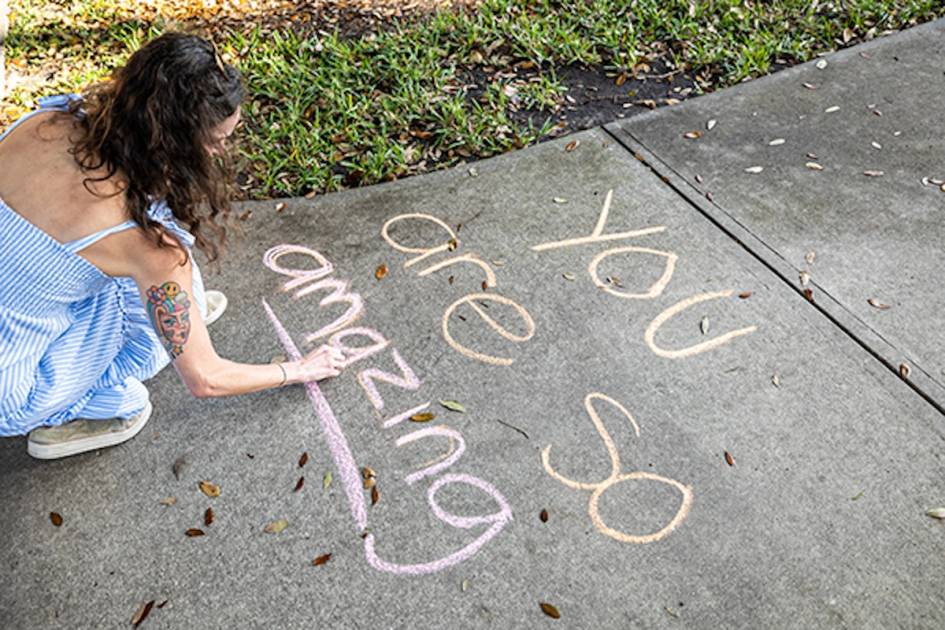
pixel 74 342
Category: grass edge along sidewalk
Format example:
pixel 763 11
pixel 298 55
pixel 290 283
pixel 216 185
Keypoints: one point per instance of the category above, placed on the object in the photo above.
pixel 330 109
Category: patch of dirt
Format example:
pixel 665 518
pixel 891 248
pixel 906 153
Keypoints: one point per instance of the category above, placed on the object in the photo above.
pixel 595 98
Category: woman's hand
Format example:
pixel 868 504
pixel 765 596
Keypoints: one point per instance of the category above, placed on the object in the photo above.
pixel 320 363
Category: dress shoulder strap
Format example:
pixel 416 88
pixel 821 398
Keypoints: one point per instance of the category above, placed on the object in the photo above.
pixel 85 241
pixel 59 102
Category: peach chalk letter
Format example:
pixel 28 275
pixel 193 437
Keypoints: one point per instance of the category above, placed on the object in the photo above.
pixel 662 318
pixel 470 258
pixel 597 235
pixel 616 477
pixel 424 252
pixel 655 289
pixel 479 356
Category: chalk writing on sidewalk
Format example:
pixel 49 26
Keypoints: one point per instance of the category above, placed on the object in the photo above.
pixel 307 281
pixel 617 477
pixel 654 291
pixel 473 300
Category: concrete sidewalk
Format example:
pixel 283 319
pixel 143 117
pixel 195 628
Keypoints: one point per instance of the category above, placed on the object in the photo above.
pixel 849 192
pixel 658 429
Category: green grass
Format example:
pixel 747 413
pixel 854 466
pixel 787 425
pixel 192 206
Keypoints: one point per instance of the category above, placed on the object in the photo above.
pixel 327 112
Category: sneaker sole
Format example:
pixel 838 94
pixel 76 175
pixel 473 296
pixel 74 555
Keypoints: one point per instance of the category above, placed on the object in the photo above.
pixel 215 315
pixel 57 451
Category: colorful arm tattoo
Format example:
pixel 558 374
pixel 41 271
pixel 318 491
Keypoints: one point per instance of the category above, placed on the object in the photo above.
pixel 168 307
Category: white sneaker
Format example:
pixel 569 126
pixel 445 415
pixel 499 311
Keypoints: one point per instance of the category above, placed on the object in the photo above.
pixel 216 304
pixel 80 436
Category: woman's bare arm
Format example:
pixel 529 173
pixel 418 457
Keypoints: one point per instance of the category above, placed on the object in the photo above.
pixel 166 290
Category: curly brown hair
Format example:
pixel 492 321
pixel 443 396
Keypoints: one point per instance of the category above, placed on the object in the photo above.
pixel 152 121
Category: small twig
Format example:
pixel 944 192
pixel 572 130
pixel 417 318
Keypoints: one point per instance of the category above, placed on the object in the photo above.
pixel 665 75
pixel 513 427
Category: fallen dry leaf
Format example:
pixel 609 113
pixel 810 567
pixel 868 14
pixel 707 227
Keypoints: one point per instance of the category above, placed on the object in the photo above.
pixel 193 531
pixel 568 276
pixel 453 405
pixel 320 560
pixel 303 459
pixel 299 484
pixel 809 294
pixel 809 86
pixel 142 613
pixel 745 295
pixel 56 518
pixel 698 179
pixel 375 495
pixel 804 278
pixel 830 110
pixel 937 513
pixel 543 515
pixel 810 257
pixel 168 501
pixel 877 304
pixel 369 483
pixel 776 380
pixel 621 79
pixel 452 244
pixel 776 142
pixel 560 200
pixel 464 585
pixel 729 459
pixel 380 272
pixel 904 370
pixel 326 480
pixel 209 489
pixel 280 206
pixel 208 517
pixel 309 195
pixel 276 527
pixel 571 146
pixel 368 473
pixel 424 416
pixel 245 215
pixel 485 285
pixel 873 173
pixel 821 64
pixel 704 325
pixel 692 135
pixel 550 610
pixel 814 166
